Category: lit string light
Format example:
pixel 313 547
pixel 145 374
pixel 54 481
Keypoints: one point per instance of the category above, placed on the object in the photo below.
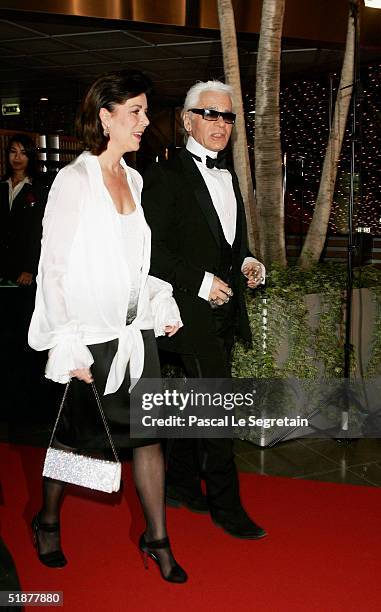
pixel 304 116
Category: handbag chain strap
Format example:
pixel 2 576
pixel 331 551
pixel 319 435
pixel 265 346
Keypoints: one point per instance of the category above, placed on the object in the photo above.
pixel 100 410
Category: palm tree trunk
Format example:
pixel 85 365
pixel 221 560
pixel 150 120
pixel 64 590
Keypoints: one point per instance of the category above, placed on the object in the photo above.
pixel 268 157
pixel 317 231
pixel 239 139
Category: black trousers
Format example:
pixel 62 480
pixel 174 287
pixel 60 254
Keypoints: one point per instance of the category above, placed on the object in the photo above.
pixel 213 458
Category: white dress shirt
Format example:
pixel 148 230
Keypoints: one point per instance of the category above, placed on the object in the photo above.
pixel 220 186
pixel 83 281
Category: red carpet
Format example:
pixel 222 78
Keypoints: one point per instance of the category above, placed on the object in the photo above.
pixel 322 554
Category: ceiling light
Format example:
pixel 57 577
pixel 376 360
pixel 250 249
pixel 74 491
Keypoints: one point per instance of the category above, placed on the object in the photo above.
pixel 44 99
pixel 373 4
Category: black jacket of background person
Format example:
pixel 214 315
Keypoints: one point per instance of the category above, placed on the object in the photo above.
pixel 187 241
pixel 21 229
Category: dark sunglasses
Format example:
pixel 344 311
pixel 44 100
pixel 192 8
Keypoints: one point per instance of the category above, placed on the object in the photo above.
pixel 210 114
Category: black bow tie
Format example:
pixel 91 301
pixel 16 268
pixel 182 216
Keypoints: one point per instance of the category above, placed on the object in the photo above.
pixel 219 162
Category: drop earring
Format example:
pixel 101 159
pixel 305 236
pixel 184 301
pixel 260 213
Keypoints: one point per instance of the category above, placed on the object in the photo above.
pixel 106 131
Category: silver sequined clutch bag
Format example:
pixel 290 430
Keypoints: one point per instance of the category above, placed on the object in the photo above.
pixel 79 469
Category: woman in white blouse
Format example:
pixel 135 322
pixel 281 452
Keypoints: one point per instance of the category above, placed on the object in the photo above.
pixel 98 310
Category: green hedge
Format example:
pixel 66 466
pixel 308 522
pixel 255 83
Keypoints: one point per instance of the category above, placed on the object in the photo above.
pixel 283 305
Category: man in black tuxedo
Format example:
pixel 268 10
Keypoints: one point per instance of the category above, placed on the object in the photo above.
pixel 195 210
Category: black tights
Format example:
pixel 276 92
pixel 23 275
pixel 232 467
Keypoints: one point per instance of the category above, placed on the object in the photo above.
pixel 148 470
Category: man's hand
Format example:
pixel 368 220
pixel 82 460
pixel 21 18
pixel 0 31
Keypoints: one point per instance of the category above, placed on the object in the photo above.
pixel 25 279
pixel 253 273
pixel 220 292
pixel 83 374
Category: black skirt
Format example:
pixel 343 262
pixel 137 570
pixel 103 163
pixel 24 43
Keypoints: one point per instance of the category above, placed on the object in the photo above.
pixel 81 425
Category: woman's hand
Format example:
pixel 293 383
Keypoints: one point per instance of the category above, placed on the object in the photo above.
pixel 83 374
pixel 25 279
pixel 170 330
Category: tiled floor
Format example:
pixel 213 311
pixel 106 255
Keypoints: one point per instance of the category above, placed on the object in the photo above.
pixel 357 462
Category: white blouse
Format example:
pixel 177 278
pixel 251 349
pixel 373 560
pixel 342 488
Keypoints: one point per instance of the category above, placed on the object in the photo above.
pixel 83 281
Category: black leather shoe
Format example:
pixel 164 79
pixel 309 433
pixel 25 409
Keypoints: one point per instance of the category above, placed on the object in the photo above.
pixel 238 524
pixel 175 499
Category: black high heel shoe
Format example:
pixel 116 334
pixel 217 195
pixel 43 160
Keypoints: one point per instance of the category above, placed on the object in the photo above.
pixel 55 558
pixel 177 574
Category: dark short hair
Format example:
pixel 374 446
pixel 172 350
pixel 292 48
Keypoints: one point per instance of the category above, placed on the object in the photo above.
pixel 107 91
pixel 30 149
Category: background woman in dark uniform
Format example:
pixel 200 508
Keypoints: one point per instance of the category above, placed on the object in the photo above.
pixel 22 202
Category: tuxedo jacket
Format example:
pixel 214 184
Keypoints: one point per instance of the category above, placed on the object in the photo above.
pixel 21 229
pixel 187 241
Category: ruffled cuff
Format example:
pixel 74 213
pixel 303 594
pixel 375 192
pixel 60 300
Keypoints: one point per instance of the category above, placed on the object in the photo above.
pixel 163 306
pixel 166 312
pixel 69 354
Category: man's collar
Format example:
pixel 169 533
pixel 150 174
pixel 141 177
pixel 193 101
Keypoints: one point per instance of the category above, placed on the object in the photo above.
pixel 197 149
